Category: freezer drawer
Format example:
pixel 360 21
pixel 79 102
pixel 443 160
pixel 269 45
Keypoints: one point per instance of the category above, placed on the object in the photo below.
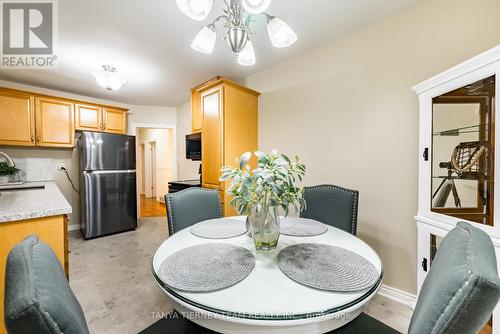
pixel 109 202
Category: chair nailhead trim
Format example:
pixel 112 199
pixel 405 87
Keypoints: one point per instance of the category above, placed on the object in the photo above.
pixel 49 317
pixel 466 283
pixel 179 194
pixel 352 192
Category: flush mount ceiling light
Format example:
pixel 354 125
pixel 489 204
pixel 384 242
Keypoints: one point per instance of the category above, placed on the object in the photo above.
pixel 108 78
pixel 238 14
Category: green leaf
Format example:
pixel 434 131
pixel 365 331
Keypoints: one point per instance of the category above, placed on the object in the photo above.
pixel 244 159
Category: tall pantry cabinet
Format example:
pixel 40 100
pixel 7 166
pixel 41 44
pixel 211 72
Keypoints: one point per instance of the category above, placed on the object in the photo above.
pixel 228 114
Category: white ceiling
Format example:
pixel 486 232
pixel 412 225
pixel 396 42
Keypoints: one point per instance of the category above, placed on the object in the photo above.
pixel 149 42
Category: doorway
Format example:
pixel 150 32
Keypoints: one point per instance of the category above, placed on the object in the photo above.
pixel 155 167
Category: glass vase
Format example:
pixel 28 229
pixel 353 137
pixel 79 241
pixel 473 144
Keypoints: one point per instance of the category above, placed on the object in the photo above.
pixel 264 226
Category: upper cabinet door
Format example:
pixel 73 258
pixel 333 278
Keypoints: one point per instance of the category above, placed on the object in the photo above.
pixel 88 117
pixel 18 120
pixel 196 114
pixel 55 125
pixel 463 152
pixel 212 137
pixel 114 120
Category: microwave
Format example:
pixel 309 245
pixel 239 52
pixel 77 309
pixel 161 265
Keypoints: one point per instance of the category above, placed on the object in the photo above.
pixel 193 146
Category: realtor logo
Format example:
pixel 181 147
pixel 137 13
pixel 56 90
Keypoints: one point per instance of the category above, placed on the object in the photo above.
pixel 28 34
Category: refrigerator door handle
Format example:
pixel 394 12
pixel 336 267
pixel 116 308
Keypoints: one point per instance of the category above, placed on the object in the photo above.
pixel 125 171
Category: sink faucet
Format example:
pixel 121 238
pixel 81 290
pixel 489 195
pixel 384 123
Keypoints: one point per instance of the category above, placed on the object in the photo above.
pixel 10 163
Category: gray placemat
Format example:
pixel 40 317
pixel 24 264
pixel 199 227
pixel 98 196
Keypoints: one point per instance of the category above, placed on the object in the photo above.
pixel 206 267
pixel 327 267
pixel 220 228
pixel 301 227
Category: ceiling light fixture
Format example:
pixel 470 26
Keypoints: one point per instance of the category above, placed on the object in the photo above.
pixel 108 78
pixel 256 6
pixel 247 56
pixel 195 9
pixel 236 20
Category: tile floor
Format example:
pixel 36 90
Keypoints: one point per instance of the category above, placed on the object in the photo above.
pixel 112 280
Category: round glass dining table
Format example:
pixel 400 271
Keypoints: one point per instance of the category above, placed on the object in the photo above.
pixel 267 301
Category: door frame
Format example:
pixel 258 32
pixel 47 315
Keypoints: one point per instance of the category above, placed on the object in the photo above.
pixel 142 154
pixel 133 132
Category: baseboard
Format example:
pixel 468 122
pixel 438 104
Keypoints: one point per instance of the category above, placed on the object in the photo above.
pixel 73 227
pixel 397 295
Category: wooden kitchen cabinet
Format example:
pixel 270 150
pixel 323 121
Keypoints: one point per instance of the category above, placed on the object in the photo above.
pixel 212 137
pixel 17 115
pixel 229 128
pixel 55 125
pixel 88 117
pixel 98 118
pixel 31 119
pixel 196 114
pixel 114 120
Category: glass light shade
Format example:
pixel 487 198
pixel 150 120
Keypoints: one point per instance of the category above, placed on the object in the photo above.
pixel 256 6
pixel 195 9
pixel 280 33
pixel 247 56
pixel 108 78
pixel 204 42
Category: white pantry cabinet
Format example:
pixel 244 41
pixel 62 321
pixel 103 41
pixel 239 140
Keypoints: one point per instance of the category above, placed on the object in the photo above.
pixel 459 163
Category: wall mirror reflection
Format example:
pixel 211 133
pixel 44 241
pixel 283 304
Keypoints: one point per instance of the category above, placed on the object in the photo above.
pixel 463 152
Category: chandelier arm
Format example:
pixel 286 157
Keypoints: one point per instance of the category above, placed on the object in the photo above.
pixel 224 18
pixel 268 17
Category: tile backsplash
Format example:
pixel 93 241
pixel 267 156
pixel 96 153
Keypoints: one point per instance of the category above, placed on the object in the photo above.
pixel 35 169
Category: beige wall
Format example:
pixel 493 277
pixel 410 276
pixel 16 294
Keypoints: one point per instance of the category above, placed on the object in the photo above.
pixel 186 169
pixel 137 114
pixel 348 111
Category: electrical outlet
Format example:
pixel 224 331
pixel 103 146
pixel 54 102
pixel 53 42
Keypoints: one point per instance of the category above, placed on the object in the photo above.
pixel 61 167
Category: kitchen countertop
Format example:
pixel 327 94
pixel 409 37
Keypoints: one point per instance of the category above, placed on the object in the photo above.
pixel 32 203
pixel 187 182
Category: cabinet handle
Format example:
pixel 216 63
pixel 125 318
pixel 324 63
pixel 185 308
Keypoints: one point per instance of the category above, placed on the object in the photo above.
pixel 37 139
pixel 425 155
pixel 424 264
pixel 32 138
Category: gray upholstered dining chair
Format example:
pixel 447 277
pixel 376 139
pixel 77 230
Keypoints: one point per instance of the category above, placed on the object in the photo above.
pixel 332 205
pixel 190 206
pixel 38 298
pixel 459 293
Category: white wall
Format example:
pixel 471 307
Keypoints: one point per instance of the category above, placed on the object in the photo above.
pixel 152 115
pixel 186 169
pixel 348 111
pixel 69 157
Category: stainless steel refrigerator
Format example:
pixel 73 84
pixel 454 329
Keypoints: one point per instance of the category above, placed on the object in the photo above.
pixel 108 199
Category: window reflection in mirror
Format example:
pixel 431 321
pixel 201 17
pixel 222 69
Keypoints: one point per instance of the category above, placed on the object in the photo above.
pixel 462 152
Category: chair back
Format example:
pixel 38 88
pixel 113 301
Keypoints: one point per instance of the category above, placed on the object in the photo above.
pixel 190 206
pixel 462 287
pixel 38 298
pixel 332 205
